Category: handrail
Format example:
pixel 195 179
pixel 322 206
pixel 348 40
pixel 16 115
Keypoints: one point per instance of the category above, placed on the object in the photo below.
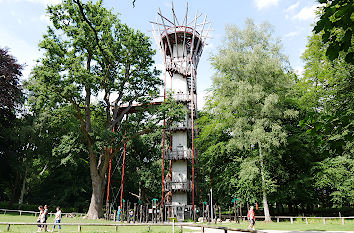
pixel 178 154
pixel 37 212
pixel 178 185
pixel 173 224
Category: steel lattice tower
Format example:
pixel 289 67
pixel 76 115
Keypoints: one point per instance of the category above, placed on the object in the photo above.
pixel 181 46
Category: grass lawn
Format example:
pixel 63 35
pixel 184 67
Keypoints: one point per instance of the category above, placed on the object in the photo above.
pixel 314 225
pixel 127 229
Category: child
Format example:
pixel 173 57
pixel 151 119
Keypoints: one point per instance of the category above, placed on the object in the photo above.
pixel 57 219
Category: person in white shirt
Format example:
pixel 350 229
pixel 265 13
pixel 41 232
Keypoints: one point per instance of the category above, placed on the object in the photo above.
pixel 40 218
pixel 57 219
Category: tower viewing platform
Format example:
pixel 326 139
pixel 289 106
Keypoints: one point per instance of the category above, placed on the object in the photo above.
pixel 181 44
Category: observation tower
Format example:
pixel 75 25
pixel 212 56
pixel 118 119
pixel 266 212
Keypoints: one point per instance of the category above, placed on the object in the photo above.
pixel 181 45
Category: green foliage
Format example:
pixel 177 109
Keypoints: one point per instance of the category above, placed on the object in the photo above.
pixel 336 175
pixel 92 64
pixel 328 120
pixel 336 23
pixel 251 88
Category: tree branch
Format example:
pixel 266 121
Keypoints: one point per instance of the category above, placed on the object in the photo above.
pixel 93 30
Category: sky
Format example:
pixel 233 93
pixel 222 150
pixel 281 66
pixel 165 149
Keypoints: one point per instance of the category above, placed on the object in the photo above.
pixel 23 23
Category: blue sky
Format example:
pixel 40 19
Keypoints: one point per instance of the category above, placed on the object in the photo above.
pixel 23 22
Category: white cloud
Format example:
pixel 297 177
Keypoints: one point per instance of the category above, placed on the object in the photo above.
pixel 43 2
pixel 298 31
pixel 292 7
pixel 201 98
pixel 45 19
pixel 292 34
pixel 299 70
pixel 306 13
pixel 261 4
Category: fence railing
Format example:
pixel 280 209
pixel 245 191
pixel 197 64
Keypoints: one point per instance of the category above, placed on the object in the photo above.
pixel 176 185
pixel 35 213
pixel 291 218
pixel 178 154
pixel 116 226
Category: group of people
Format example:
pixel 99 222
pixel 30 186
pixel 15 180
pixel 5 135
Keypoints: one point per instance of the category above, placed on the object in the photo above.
pixel 43 216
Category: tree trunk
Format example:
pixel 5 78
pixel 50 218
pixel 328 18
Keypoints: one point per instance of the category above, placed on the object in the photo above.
pixel 20 201
pixel 96 205
pixel 265 201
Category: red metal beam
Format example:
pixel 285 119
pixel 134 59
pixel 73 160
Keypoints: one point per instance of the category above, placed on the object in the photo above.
pixel 122 182
pixel 109 176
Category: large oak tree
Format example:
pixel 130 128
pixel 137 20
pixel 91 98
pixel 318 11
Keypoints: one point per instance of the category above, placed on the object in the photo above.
pixel 94 63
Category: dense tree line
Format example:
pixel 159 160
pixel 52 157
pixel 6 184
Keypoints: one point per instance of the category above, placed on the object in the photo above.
pixel 268 135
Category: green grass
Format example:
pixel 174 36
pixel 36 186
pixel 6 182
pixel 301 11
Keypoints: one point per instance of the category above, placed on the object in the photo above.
pixel 33 228
pixel 314 225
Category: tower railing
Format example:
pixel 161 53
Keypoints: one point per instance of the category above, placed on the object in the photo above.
pixel 181 125
pixel 178 154
pixel 178 186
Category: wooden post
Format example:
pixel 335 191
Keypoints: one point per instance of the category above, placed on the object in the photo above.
pixel 230 213
pixel 161 214
pixel 324 220
pixel 208 213
pixel 235 210
pixel 237 214
pixel 307 221
pixel 291 220
pixel 225 230
pixel 181 230
pixel 152 214
pixel 173 225
pixel 215 214
pixel 116 228
pixel 277 219
pixel 8 227
pixel 20 213
pixel 203 211
pixel 141 213
pixel 147 213
pixel 134 214
pixel 241 210
pixel 202 229
pixel 114 215
pixel 79 228
pixel 127 212
pixel 219 212
pixel 342 221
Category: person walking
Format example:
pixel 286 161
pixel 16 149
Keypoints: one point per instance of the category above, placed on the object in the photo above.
pixel 45 212
pixel 57 219
pixel 119 212
pixel 40 218
pixel 252 218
